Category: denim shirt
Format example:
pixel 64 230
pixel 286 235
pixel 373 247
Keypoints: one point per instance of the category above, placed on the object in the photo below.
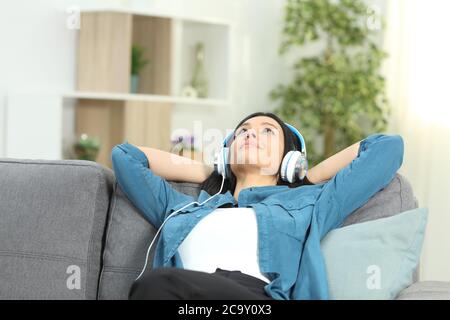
pixel 291 221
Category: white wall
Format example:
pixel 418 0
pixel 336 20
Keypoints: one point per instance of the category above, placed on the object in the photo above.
pixel 37 51
pixel 418 70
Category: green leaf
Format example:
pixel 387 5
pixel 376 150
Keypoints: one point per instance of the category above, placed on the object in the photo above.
pixel 137 59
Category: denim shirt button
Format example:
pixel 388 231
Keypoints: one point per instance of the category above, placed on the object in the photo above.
pixel 198 215
pixel 289 206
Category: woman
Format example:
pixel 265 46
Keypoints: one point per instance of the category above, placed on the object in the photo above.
pixel 260 237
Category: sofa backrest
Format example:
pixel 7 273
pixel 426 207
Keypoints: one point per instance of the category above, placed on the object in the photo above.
pixel 396 198
pixel 52 221
pixel 129 234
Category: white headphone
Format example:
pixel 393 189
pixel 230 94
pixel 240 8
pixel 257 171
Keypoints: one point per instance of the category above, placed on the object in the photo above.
pixel 293 167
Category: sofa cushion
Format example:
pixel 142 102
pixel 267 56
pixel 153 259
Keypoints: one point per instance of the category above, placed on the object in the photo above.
pixel 397 197
pixel 53 216
pixel 127 239
pixel 426 290
pixel 375 259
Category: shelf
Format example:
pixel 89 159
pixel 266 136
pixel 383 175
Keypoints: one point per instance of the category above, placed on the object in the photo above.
pixel 145 98
pixel 150 13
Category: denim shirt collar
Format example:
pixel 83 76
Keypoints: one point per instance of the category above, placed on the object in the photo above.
pixel 247 196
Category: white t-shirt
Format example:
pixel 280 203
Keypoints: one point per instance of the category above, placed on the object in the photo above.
pixel 227 238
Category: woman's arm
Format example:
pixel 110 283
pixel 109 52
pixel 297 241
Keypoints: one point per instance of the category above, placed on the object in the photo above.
pixel 152 195
pixel 378 159
pixel 172 167
pixel 328 168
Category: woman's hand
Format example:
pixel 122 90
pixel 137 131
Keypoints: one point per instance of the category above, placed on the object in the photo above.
pixel 172 167
pixel 328 168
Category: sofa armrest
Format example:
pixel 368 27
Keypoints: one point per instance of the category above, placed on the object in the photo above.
pixel 52 220
pixel 426 290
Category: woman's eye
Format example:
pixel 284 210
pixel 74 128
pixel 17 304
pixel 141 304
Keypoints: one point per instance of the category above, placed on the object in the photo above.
pixel 264 130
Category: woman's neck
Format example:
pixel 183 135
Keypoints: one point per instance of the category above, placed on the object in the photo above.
pixel 253 180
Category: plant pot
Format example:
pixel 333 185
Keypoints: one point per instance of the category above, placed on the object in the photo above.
pixel 134 83
pixel 84 153
pixel 87 148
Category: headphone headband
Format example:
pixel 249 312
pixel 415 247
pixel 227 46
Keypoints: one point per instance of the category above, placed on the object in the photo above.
pixel 299 136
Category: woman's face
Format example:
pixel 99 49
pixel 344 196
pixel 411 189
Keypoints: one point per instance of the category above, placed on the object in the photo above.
pixel 258 144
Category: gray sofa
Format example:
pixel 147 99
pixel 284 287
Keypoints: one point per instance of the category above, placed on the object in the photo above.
pixel 68 232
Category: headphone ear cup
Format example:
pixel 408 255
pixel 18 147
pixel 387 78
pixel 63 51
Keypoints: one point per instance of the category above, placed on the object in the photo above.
pixel 294 167
pixel 302 166
pixel 286 171
pixel 226 154
pixel 217 162
pixel 221 161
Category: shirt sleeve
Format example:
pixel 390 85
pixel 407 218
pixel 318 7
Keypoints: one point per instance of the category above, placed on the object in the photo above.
pixel 379 158
pixel 151 194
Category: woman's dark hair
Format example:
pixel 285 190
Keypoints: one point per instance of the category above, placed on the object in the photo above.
pixel 214 181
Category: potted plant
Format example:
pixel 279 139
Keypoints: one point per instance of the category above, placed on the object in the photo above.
pixel 87 148
pixel 337 94
pixel 138 62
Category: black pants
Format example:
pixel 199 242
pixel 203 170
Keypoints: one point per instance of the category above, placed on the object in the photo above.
pixel 181 284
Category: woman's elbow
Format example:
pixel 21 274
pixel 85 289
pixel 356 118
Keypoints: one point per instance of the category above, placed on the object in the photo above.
pixel 117 159
pixel 396 149
pixel 399 147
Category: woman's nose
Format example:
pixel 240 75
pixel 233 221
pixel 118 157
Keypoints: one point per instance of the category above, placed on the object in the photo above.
pixel 252 132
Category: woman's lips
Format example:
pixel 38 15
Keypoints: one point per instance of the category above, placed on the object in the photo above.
pixel 249 145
